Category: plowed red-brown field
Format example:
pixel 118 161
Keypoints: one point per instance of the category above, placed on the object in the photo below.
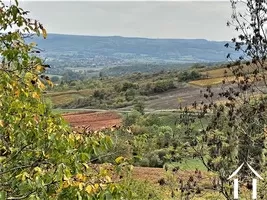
pixel 94 120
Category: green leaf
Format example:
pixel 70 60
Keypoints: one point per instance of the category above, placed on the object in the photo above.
pixel 2 195
pixel 85 157
pixel 79 196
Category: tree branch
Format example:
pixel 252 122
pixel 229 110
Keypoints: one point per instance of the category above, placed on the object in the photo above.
pixel 20 197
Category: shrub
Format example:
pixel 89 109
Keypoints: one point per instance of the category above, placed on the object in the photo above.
pixel 130 94
pixel 139 106
pixel 137 129
pixel 129 85
pixel 163 86
pixel 144 162
pixel 55 79
pixel 189 76
pixel 131 118
pixel 154 160
pixel 100 94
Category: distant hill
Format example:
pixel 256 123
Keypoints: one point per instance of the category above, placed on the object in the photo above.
pixel 98 51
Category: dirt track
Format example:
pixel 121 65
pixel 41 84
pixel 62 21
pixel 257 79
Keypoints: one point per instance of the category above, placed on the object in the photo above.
pixel 95 120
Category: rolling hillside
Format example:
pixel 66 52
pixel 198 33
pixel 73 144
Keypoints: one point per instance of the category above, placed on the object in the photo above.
pixel 99 52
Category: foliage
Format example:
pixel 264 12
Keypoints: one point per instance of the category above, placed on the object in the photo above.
pixel 70 75
pixel 189 76
pixel 131 118
pixel 40 157
pixel 112 92
pixel 162 86
pixel 143 190
pixel 55 79
pixel 236 128
pixel 165 140
pixel 139 106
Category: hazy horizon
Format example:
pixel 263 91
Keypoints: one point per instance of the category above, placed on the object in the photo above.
pixel 140 19
pixel 141 37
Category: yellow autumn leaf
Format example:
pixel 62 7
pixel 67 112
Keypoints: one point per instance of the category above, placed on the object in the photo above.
pixel 38 169
pixel 50 83
pixel 58 190
pixel 65 178
pixel 17 93
pixel 65 184
pixel 81 177
pixel 81 186
pixel 44 33
pixel 71 137
pixel 40 84
pixel 39 68
pixel 96 187
pixel 75 183
pixel 108 179
pixel 24 176
pixel 103 172
pixel 112 188
pixel 35 95
pixel 2 123
pixel 131 167
pixel 78 137
pixel 103 186
pixel 29 76
pixel 14 84
pixel 119 159
pixel 85 165
pixel 33 44
pixel 88 189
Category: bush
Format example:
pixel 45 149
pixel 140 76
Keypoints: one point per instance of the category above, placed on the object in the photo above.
pixel 55 79
pixel 155 161
pixel 99 94
pixel 137 129
pixel 144 162
pixel 189 76
pixel 129 85
pixel 165 136
pixel 131 118
pixel 162 153
pixel 162 86
pixel 130 94
pixel 139 106
pixel 152 119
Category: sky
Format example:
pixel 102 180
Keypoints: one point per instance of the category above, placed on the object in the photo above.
pixel 150 19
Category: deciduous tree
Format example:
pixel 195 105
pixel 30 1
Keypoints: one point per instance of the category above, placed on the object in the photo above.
pixel 40 157
pixel 236 128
